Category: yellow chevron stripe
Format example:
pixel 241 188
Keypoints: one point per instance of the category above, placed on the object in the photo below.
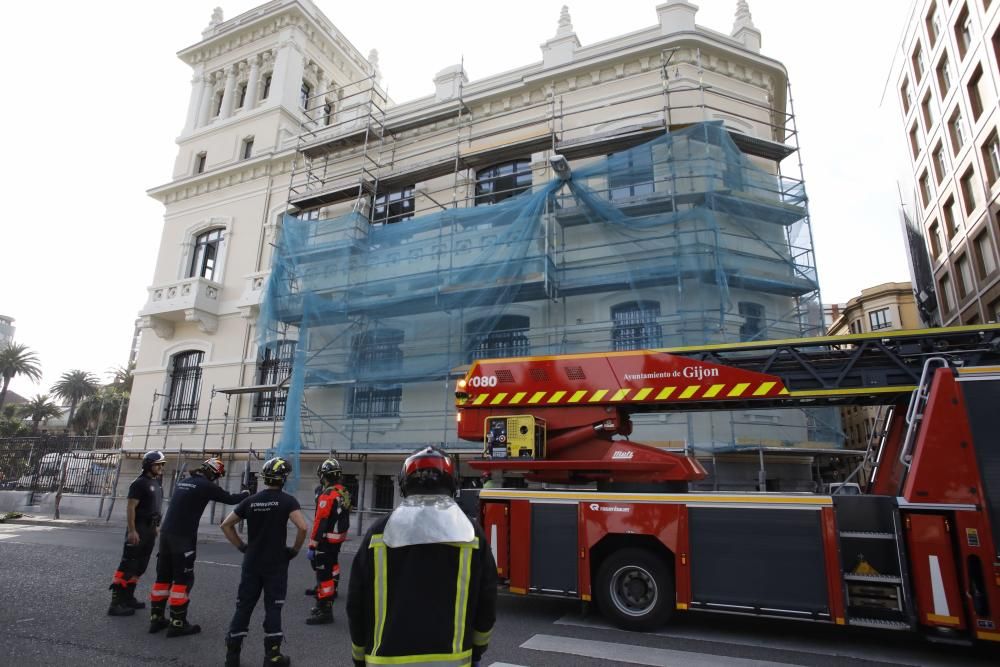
pixel 598 395
pixel 620 394
pixel 763 388
pixel 713 390
pixel 690 391
pixel 517 397
pixel 480 399
pixel 642 393
pixel 665 393
pixel 537 397
pixel 575 398
pixel 498 398
pixel 783 392
pixel 738 389
pixel 556 397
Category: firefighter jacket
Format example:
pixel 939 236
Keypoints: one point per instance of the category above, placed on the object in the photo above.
pixel 333 517
pixel 421 605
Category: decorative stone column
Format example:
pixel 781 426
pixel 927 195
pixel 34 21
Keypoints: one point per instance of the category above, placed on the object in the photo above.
pixel 228 93
pixel 287 78
pixel 206 99
pixel 252 80
pixel 194 104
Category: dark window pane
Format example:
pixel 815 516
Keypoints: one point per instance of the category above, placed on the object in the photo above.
pixel 273 367
pixel 635 326
pixel 501 181
pixel 185 388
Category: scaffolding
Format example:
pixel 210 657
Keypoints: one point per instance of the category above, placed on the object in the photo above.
pixel 421 239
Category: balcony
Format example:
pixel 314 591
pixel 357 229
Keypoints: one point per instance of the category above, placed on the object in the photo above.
pixel 188 300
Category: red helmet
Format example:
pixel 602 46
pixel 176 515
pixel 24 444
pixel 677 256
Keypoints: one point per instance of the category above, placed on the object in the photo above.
pixel 427 471
pixel 214 468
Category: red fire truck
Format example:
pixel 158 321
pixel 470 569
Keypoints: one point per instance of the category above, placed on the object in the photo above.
pixel 601 517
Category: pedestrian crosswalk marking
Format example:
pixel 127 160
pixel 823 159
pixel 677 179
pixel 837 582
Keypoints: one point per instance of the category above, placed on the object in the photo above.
pixel 636 655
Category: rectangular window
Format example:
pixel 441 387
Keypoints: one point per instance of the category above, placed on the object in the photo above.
pixel 274 366
pixel 964 276
pixel 991 158
pixel 377 358
pixel 993 311
pixel 501 181
pixel 199 163
pixel 241 97
pixel 630 174
pixel 246 151
pixel 385 489
pixel 986 258
pixel 218 104
pixel 956 128
pixel 394 206
pixel 184 394
pixel 917 59
pixel 754 326
pixel 946 294
pixel 964 32
pixel 927 111
pixel 950 219
pixel 915 141
pixel 879 319
pixel 906 96
pixel 944 75
pixel 304 92
pixel 925 189
pixel 934 234
pixel 267 87
pixel 933 24
pixel 940 162
pixel 970 193
pixel 975 93
pixel 635 326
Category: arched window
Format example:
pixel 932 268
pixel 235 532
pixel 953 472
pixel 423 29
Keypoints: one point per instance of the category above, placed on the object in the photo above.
pixel 185 388
pixel 502 181
pixel 507 338
pixel 274 365
pixel 376 354
pixel 635 326
pixel 204 259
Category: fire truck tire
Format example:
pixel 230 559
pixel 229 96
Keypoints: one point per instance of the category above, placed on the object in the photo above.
pixel 635 589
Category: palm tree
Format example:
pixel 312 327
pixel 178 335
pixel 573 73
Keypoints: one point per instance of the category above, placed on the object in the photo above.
pixel 121 377
pixel 39 409
pixel 17 359
pixel 72 386
pixel 100 411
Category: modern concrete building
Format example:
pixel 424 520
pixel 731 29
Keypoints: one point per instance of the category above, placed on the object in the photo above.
pixel 6 329
pixel 947 80
pixel 406 269
pixel 885 307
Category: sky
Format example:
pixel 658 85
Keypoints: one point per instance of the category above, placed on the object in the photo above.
pixel 95 98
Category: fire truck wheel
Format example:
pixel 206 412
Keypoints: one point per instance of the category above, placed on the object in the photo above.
pixel 635 589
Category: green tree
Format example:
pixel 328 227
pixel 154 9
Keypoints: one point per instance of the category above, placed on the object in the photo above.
pixel 40 408
pixel 100 411
pixel 121 377
pixel 17 359
pixel 73 386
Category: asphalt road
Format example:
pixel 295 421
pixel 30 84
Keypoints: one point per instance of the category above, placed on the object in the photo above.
pixel 53 599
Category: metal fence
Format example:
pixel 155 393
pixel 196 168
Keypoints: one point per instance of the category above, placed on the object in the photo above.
pixel 52 463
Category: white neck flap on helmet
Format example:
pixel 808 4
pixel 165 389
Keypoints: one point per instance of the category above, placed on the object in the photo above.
pixel 432 519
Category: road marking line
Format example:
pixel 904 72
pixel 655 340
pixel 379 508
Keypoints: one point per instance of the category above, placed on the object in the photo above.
pixel 505 664
pixel 5 536
pixel 212 562
pixel 830 647
pixel 637 655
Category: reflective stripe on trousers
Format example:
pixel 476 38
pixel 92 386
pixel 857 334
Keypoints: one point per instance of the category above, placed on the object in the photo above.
pixel 463 659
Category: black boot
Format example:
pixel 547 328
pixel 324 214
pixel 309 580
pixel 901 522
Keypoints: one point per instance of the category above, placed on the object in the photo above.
pixel 321 614
pixel 132 602
pixel 158 617
pixel 233 648
pixel 179 626
pixel 311 592
pixel 272 653
pixel 119 602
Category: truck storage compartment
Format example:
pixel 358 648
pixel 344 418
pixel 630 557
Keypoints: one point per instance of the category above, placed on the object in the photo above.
pixel 554 561
pixel 767 561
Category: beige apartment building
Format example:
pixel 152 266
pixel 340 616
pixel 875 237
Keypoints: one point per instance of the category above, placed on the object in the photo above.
pixel 947 90
pixel 332 260
pixel 885 307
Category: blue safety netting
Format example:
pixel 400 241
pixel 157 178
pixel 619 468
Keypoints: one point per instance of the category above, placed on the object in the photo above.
pixel 682 240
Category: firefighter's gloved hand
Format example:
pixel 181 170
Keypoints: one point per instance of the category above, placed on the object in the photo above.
pixel 242 548
pixel 291 553
pixel 310 554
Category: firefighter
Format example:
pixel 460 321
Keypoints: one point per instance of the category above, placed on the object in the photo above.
pixel 265 560
pixel 329 530
pixel 423 582
pixel 145 497
pixel 178 547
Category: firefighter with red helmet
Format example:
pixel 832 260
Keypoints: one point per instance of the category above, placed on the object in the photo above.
pixel 423 582
pixel 142 514
pixel 178 547
pixel 265 560
pixel 329 530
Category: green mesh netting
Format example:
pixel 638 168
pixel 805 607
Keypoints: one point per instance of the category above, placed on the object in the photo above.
pixel 683 240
